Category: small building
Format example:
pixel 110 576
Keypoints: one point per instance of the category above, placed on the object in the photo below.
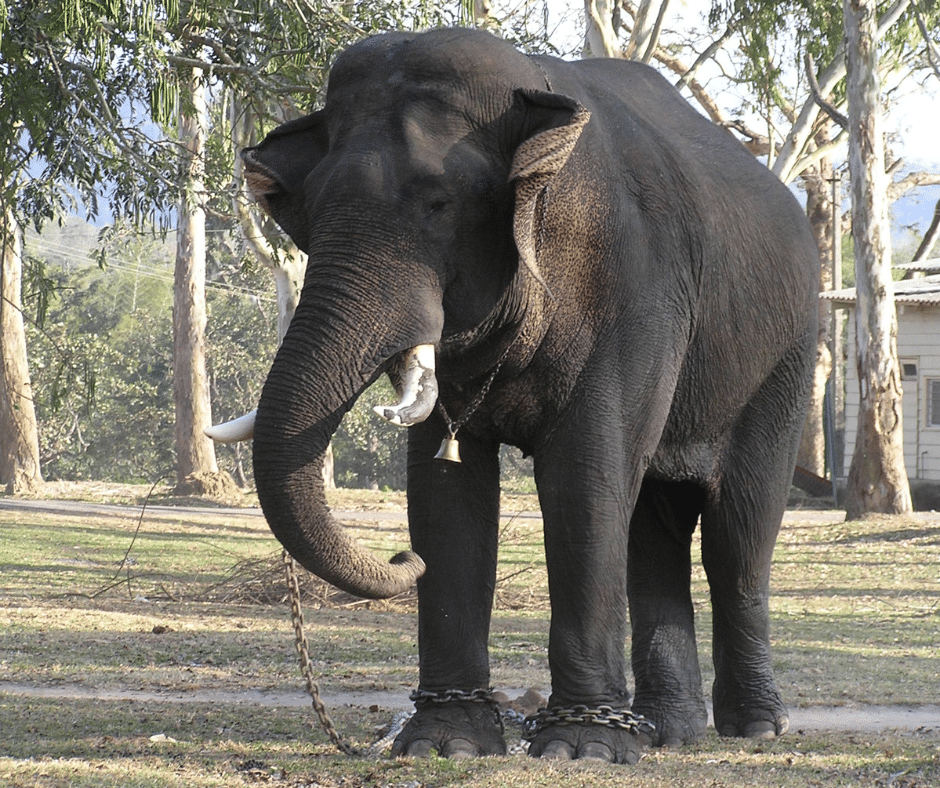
pixel 918 308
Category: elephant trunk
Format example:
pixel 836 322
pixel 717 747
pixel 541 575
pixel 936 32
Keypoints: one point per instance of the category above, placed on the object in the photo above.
pixel 300 408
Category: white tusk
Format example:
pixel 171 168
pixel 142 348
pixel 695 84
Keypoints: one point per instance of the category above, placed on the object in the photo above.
pixel 240 429
pixel 418 390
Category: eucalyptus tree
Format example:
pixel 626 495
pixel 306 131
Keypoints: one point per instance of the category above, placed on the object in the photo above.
pixel 69 134
pixel 877 477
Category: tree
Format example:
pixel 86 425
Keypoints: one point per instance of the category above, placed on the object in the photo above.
pixel 877 477
pixel 62 137
pixel 19 435
pixel 196 467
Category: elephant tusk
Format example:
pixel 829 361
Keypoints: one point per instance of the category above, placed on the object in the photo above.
pixel 240 429
pixel 418 391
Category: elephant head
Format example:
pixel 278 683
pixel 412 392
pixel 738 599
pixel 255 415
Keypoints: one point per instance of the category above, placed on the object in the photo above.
pixel 416 193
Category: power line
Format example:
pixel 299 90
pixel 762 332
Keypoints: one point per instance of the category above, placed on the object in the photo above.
pixel 149 271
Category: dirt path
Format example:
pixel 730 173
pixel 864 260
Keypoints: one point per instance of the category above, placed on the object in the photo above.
pixel 91 509
pixel 866 719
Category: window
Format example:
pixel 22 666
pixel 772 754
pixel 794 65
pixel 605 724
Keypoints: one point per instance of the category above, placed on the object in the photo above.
pixel 908 368
pixel 933 402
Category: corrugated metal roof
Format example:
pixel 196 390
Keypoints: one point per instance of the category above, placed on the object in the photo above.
pixel 931 266
pixel 923 292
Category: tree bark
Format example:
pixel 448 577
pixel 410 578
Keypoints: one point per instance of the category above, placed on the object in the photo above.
pixel 600 38
pixel 19 434
pixel 877 477
pixel 195 453
pixel 812 450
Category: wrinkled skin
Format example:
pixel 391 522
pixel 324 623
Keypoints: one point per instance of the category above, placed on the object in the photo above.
pixel 645 291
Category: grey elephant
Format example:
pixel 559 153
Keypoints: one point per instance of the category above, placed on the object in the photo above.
pixel 567 258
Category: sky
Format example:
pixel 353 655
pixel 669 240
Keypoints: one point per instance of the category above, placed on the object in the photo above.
pixel 916 118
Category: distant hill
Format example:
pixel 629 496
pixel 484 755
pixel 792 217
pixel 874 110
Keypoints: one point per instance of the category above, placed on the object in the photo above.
pixel 67 245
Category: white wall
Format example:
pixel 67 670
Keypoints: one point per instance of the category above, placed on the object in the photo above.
pixel 918 342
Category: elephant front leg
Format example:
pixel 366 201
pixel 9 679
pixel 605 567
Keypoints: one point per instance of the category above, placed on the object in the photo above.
pixel 586 528
pixel 453 514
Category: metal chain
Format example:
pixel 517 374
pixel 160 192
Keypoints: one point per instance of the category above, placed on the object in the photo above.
pixel 421 697
pixel 453 426
pixel 622 719
pixel 306 666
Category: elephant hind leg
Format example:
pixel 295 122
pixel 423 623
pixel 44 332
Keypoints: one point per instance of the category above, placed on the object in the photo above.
pixel 665 660
pixel 740 524
pixel 736 551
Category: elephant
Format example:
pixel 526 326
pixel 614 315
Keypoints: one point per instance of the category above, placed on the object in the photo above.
pixel 567 258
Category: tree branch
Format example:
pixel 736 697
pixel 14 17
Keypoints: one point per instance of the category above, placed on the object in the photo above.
pixel 912 180
pixel 756 142
pixel 787 167
pixel 821 102
pixel 106 124
pixel 933 55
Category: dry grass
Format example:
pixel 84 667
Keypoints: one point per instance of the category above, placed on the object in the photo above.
pixel 189 600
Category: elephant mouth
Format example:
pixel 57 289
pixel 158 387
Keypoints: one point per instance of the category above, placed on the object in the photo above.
pixel 412 374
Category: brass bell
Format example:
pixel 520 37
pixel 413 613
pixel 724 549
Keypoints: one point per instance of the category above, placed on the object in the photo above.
pixel 450 450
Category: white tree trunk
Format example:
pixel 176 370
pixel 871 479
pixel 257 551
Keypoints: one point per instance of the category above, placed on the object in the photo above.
pixel 482 10
pixel 817 182
pixel 195 451
pixel 19 434
pixel 877 477
pixel 600 38
pixel 646 29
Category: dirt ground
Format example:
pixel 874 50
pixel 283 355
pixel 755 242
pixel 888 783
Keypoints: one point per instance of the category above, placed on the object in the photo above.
pixel 84 502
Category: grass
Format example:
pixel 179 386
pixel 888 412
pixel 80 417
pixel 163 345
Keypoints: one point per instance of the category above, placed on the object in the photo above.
pixel 189 600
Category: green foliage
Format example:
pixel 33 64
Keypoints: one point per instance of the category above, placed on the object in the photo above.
pixel 70 92
pixel 775 37
pixel 368 451
pixel 102 373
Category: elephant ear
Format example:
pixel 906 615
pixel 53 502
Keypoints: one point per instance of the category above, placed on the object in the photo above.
pixel 553 125
pixel 275 171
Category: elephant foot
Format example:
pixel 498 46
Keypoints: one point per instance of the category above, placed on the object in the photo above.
pixel 674 727
pixel 764 718
pixel 458 729
pixel 588 734
pixel 753 724
pixel 588 742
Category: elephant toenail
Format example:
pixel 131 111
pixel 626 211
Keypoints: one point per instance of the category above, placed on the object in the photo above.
pixel 459 748
pixel 559 751
pixel 596 751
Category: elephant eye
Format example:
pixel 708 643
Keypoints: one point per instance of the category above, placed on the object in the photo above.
pixel 436 206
